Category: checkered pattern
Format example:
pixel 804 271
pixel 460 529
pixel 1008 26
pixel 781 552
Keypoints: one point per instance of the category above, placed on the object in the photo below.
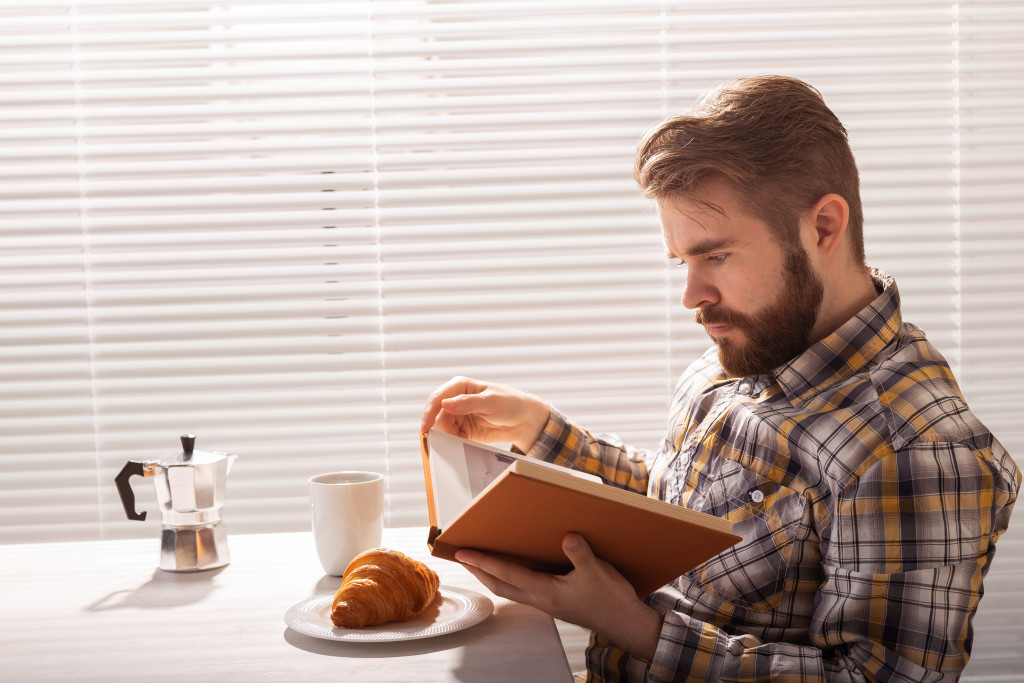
pixel 868 496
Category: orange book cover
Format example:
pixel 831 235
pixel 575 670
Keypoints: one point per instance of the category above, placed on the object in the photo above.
pixel 524 512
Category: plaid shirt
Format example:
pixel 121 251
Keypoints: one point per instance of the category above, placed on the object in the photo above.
pixel 868 496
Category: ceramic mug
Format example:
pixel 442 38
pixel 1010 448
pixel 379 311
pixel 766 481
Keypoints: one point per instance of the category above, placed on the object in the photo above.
pixel 348 516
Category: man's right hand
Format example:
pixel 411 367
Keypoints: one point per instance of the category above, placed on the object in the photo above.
pixel 486 412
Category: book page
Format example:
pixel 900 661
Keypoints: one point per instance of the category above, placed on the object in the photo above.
pixel 483 466
pixel 461 469
pixel 453 491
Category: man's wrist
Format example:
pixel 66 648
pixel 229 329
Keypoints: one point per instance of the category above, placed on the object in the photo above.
pixel 638 632
pixel 533 426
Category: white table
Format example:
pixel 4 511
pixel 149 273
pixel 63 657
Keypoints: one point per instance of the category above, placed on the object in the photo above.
pixel 103 611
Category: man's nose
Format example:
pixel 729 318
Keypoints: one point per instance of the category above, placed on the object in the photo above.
pixel 698 292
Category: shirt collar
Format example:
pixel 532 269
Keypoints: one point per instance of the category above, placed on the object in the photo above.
pixel 847 350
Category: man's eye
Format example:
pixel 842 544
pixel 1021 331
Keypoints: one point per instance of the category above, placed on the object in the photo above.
pixel 716 259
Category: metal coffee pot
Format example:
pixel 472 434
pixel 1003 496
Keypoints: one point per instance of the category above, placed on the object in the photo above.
pixel 190 490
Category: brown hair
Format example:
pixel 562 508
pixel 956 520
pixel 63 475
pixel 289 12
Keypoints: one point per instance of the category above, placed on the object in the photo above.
pixel 773 138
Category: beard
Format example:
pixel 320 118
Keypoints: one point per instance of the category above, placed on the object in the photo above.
pixel 779 331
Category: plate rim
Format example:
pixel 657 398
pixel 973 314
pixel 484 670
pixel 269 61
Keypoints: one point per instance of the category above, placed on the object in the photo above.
pixel 483 607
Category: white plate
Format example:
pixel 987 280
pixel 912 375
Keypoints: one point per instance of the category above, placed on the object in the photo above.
pixel 453 610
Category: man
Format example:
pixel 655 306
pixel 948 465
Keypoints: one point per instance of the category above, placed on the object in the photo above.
pixel 830 432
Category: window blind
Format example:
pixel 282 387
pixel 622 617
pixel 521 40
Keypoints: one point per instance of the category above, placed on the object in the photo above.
pixel 989 170
pixel 280 225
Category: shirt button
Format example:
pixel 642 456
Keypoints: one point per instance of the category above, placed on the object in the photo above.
pixel 756 496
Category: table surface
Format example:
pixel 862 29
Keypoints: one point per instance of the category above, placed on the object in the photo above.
pixel 102 610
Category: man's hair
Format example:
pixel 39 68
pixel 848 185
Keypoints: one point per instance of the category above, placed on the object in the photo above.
pixel 773 138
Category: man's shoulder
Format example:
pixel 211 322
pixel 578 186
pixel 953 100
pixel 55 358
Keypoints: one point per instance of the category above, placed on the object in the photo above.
pixel 919 393
pixel 904 397
pixel 920 404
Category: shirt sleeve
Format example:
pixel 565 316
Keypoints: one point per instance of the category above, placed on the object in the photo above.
pixel 564 443
pixel 903 558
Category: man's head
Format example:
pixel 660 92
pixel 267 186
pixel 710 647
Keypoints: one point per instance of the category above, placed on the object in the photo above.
pixel 758 301
pixel 758 194
pixel 775 141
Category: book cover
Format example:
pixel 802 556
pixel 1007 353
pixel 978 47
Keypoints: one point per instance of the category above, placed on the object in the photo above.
pixel 521 509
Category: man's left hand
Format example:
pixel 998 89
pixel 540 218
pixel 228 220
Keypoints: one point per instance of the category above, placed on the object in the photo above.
pixel 593 595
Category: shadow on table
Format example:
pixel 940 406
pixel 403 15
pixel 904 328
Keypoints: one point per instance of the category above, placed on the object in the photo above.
pixel 328 584
pixel 476 666
pixel 165 590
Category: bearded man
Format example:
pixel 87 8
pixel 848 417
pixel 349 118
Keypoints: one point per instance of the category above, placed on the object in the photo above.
pixel 830 432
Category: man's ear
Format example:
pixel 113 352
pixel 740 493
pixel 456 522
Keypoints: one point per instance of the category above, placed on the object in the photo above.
pixel 830 217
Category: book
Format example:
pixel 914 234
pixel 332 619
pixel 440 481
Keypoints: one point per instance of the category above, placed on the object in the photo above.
pixel 486 498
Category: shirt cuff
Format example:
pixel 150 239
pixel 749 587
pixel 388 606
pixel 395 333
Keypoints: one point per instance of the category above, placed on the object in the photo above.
pixel 688 649
pixel 559 442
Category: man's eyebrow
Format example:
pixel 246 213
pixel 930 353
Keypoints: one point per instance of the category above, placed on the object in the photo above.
pixel 703 247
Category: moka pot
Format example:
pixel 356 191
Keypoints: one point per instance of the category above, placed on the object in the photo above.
pixel 190 489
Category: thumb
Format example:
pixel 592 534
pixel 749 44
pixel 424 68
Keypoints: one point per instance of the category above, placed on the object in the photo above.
pixel 577 550
pixel 464 404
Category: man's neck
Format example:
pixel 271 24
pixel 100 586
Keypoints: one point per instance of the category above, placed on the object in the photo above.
pixel 844 298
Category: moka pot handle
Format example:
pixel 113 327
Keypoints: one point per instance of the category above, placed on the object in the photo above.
pixel 124 488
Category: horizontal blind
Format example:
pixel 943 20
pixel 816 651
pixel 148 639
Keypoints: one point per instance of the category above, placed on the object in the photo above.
pixel 990 169
pixel 189 245
pixel 515 246
pixel 279 226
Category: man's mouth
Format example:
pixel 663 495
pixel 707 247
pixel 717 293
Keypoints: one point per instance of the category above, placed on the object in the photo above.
pixel 718 330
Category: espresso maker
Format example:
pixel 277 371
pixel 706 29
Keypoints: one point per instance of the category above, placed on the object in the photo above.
pixel 190 489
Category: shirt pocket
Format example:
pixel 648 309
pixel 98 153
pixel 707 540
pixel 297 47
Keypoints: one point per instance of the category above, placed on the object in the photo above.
pixel 769 517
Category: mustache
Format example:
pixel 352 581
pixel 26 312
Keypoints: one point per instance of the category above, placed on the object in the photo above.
pixel 720 317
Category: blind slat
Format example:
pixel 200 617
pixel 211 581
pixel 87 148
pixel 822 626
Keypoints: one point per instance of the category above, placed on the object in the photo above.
pixel 281 226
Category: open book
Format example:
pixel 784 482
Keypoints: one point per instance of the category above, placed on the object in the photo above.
pixel 495 501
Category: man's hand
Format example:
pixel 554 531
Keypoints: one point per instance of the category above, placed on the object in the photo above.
pixel 593 595
pixel 485 412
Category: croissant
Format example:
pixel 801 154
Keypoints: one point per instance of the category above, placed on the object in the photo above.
pixel 382 585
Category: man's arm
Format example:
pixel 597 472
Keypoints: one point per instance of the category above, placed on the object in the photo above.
pixel 564 443
pixel 904 554
pixel 497 413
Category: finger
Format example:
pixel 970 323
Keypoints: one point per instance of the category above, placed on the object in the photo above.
pixel 500 587
pixel 443 422
pixel 429 416
pixel 451 424
pixel 496 586
pixel 523 580
pixel 577 550
pixel 589 567
pixel 453 387
pixel 471 558
pixel 431 410
pixel 467 404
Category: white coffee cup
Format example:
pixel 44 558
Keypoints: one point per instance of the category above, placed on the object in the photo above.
pixel 348 516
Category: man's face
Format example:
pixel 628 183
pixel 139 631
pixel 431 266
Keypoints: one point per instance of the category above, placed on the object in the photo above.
pixel 757 301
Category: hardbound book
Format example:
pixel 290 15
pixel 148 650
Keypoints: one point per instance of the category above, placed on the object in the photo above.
pixel 489 499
